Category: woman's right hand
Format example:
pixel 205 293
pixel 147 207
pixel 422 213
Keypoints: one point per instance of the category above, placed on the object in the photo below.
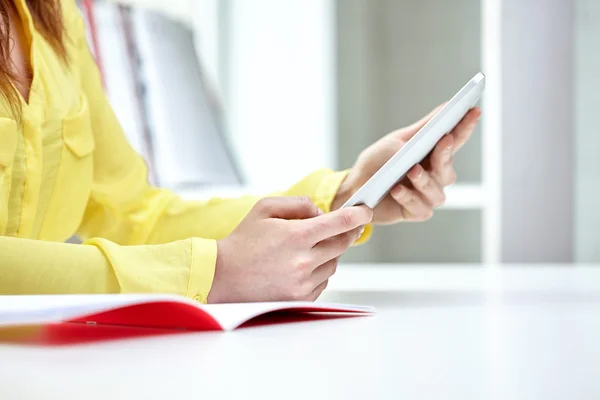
pixel 285 249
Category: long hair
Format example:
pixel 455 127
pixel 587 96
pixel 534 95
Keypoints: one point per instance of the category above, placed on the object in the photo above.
pixel 47 17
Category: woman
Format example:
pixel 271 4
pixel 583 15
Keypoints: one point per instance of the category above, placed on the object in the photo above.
pixel 66 168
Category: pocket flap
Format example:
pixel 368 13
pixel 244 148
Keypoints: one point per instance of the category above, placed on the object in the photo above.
pixel 77 132
pixel 8 141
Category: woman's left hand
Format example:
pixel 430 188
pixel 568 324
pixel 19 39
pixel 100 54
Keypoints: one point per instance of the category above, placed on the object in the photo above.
pixel 417 195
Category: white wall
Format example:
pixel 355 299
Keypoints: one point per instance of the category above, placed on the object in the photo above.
pixel 537 131
pixel 587 86
pixel 279 88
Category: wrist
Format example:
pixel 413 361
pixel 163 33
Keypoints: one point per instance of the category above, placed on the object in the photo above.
pixel 216 294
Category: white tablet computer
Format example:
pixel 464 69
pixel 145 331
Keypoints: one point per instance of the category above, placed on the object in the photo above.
pixel 420 145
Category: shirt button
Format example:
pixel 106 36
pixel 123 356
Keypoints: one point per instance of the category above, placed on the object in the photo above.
pixel 199 298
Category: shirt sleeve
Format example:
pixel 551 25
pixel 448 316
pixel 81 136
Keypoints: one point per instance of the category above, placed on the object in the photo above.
pixel 126 209
pixel 137 238
pixel 100 266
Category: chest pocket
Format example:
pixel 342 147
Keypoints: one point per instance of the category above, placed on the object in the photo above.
pixel 74 177
pixel 8 146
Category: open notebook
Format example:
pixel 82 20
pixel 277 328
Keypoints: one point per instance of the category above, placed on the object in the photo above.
pixel 153 311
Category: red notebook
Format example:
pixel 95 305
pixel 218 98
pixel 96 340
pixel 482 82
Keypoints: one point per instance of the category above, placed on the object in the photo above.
pixel 155 313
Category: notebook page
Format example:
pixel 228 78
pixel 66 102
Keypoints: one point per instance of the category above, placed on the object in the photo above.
pixel 231 316
pixel 40 309
pixel 43 309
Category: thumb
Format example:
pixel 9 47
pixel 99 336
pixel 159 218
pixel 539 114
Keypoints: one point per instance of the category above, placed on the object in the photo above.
pixel 301 207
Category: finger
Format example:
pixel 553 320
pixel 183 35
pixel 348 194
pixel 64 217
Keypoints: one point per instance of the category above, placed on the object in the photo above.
pixel 465 127
pixel 334 247
pixel 318 291
pixel 427 187
pixel 414 207
pixel 300 207
pixel 336 222
pixel 408 132
pixel 324 272
pixel 440 162
pixel 421 123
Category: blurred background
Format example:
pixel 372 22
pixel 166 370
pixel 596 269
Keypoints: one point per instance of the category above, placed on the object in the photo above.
pixel 227 97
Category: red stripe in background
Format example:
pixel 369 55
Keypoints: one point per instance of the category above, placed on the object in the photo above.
pixel 88 8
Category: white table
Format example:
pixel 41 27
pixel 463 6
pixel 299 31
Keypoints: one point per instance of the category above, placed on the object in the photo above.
pixel 451 332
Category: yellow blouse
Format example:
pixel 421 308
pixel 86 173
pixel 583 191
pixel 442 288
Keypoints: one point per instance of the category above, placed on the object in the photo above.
pixel 66 168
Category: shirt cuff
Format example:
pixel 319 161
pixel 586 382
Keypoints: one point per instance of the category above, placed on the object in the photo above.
pixel 202 270
pixel 328 188
pixel 326 192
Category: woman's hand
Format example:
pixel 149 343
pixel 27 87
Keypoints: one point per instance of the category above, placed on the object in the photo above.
pixel 416 196
pixel 285 249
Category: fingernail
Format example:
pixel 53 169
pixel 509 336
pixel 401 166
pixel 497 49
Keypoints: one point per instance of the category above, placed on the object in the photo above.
pixel 416 178
pixel 399 191
pixel 449 148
